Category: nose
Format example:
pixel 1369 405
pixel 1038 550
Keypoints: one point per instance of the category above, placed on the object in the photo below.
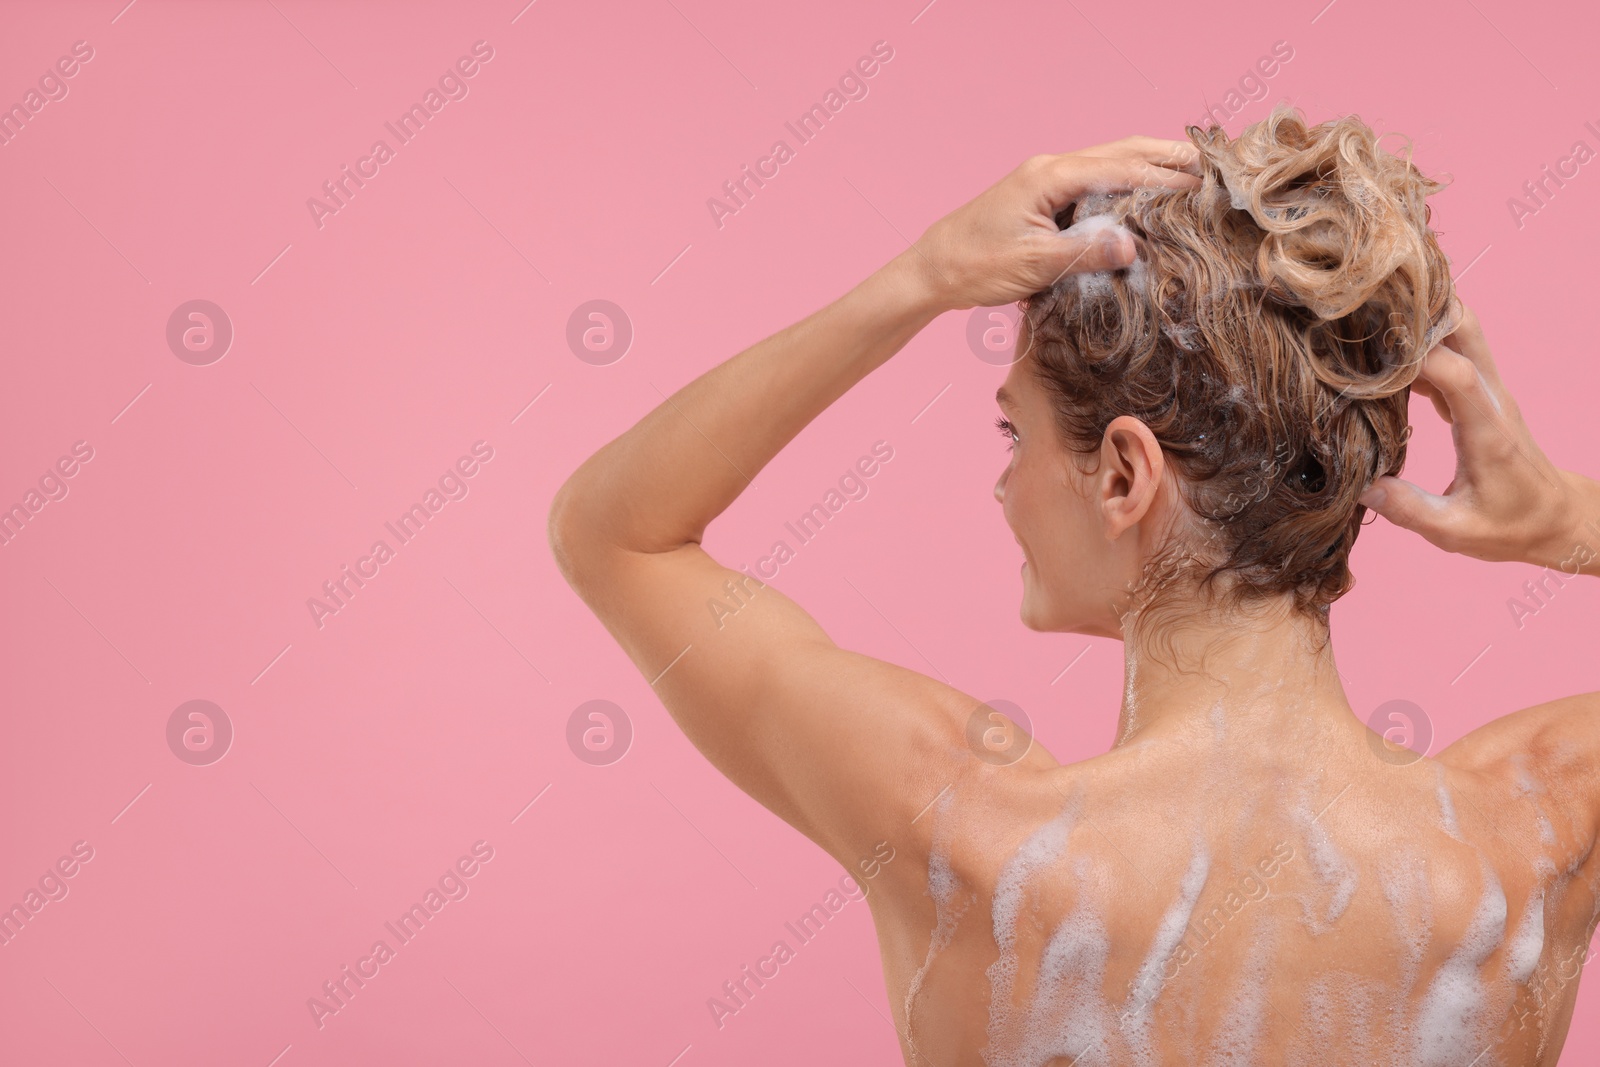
pixel 1000 485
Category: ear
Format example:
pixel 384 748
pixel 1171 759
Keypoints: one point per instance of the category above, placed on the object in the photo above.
pixel 1129 478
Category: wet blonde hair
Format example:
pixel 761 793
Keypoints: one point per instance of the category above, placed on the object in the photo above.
pixel 1267 334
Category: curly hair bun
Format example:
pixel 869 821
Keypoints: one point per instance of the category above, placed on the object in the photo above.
pixel 1267 333
pixel 1344 234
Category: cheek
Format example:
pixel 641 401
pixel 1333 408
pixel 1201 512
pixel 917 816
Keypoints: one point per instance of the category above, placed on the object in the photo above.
pixel 1036 509
pixel 1053 520
pixel 1035 494
pixel 1020 494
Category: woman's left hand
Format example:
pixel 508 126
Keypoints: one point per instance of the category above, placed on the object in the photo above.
pixel 1005 244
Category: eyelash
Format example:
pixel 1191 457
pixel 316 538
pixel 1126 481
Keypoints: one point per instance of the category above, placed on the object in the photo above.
pixel 1003 424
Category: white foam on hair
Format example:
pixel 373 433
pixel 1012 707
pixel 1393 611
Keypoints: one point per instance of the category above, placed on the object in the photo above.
pixel 1041 849
pixel 1093 285
pixel 1228 170
pixel 1137 280
pixel 1185 334
pixel 1088 230
pixel 1240 397
pixel 1088 227
pixel 1091 221
pixel 1452 1019
pixel 1148 982
pixel 1096 204
pixel 1443 328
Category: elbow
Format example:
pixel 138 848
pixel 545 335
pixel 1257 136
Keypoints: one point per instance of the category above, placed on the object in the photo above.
pixel 578 531
pixel 563 529
pixel 590 525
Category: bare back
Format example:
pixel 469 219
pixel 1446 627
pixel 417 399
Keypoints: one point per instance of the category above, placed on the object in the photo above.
pixel 1164 904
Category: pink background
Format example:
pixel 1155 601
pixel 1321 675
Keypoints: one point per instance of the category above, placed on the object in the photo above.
pixel 370 353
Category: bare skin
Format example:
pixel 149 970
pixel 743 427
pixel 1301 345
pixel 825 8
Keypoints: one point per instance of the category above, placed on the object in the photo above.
pixel 1249 875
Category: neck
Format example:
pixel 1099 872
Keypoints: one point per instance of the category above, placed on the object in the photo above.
pixel 1234 677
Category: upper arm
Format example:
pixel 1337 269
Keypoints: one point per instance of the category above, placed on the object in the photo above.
pixel 1554 747
pixel 846 748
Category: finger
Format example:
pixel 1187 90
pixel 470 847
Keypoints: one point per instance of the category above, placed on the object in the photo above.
pixel 1063 179
pixel 1413 508
pixel 1422 388
pixel 1460 385
pixel 1097 243
pixel 1173 155
pixel 1468 340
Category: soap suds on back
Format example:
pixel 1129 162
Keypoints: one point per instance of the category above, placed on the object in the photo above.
pixel 1342 1012
pixel 1403 876
pixel 1148 982
pixel 1447 807
pixel 1037 853
pixel 1069 1016
pixel 943 887
pixel 1451 1021
pixel 1527 943
pixel 1331 869
pixel 1236 1037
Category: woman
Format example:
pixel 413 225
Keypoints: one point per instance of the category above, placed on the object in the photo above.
pixel 1211 390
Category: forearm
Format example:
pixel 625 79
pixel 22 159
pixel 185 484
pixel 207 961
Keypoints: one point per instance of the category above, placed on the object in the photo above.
pixel 661 483
pixel 1576 549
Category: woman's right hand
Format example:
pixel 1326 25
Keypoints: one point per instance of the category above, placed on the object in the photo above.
pixel 1507 500
pixel 1004 245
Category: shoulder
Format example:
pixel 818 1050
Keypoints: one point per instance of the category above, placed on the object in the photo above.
pixel 1550 750
pixel 1559 735
pixel 999 824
